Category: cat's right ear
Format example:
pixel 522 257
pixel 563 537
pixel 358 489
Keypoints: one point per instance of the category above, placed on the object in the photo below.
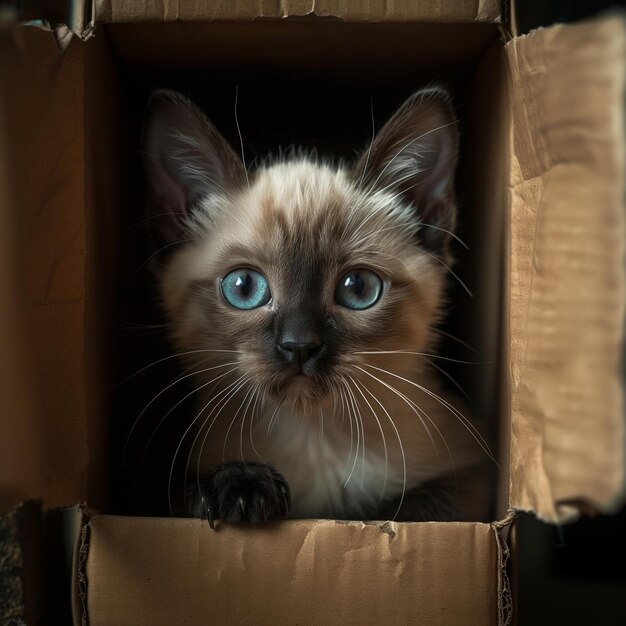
pixel 186 160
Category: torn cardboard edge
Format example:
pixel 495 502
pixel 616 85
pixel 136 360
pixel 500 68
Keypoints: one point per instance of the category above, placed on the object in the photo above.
pixel 567 264
pixel 61 32
pixel 79 579
pixel 80 518
pixel 501 531
pixel 237 546
pixel 85 15
pixel 36 562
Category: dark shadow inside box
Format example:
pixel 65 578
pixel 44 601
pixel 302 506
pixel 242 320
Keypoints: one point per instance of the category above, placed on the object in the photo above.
pixel 315 86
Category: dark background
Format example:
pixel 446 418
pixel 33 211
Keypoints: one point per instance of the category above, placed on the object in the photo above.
pixel 574 574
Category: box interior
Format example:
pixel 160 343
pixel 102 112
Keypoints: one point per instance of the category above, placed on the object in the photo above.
pixel 84 292
pixel 310 84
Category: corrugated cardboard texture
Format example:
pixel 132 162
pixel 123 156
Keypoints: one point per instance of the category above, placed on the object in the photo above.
pixel 43 102
pixel 567 279
pixel 148 571
pixel 348 10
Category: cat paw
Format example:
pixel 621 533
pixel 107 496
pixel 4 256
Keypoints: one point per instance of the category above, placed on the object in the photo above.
pixel 241 492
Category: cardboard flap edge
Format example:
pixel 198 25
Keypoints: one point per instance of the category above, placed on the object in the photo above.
pixel 87 14
pixel 567 286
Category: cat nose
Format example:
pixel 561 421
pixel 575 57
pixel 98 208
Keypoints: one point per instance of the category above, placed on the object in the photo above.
pixel 300 352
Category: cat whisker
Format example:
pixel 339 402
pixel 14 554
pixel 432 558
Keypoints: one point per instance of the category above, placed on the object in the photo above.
pixel 343 408
pixel 182 439
pixel 243 156
pixel 228 393
pixel 153 217
pixel 417 410
pixel 410 223
pixel 369 150
pixel 455 383
pixel 154 432
pixel 363 447
pixel 257 405
pixel 382 230
pixel 130 434
pixel 167 358
pixel 396 182
pixel 271 422
pixel 405 146
pixel 451 271
pixel 350 400
pixel 321 425
pixel 399 438
pixel 447 232
pixel 346 403
pixel 402 192
pixel 253 397
pixel 165 247
pixel 454 338
pixel 423 354
pixel 382 434
pixel 332 417
pixel 137 325
pixel 387 207
pixel 453 410
pixel 246 395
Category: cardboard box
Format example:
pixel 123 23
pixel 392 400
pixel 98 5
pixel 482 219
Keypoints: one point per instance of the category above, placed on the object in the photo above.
pixel 541 186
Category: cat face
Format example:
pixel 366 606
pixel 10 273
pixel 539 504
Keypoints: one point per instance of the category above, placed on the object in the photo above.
pixel 293 272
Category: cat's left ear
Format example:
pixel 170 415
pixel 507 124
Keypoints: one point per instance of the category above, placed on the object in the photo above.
pixel 415 155
pixel 186 160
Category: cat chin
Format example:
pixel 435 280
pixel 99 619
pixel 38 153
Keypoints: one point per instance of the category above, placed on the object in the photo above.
pixel 302 393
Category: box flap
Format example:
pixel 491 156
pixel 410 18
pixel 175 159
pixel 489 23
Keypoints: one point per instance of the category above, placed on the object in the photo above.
pixel 20 469
pixel 567 278
pixel 91 13
pixel 43 433
pixel 295 572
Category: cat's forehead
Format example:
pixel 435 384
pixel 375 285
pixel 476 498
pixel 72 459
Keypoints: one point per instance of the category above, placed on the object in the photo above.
pixel 296 196
pixel 300 204
pixel 307 218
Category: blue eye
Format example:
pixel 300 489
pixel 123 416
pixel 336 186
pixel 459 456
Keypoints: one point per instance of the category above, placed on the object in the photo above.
pixel 245 289
pixel 359 289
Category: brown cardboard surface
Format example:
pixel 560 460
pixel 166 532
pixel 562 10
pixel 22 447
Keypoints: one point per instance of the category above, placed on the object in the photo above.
pixel 44 432
pixel 567 278
pixel 20 443
pixel 347 10
pixel 176 571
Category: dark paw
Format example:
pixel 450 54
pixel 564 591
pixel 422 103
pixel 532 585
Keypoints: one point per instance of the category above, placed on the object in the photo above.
pixel 241 492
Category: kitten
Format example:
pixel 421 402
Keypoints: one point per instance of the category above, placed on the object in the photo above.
pixel 305 295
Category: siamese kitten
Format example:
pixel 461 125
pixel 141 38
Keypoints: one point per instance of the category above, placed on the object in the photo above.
pixel 303 296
